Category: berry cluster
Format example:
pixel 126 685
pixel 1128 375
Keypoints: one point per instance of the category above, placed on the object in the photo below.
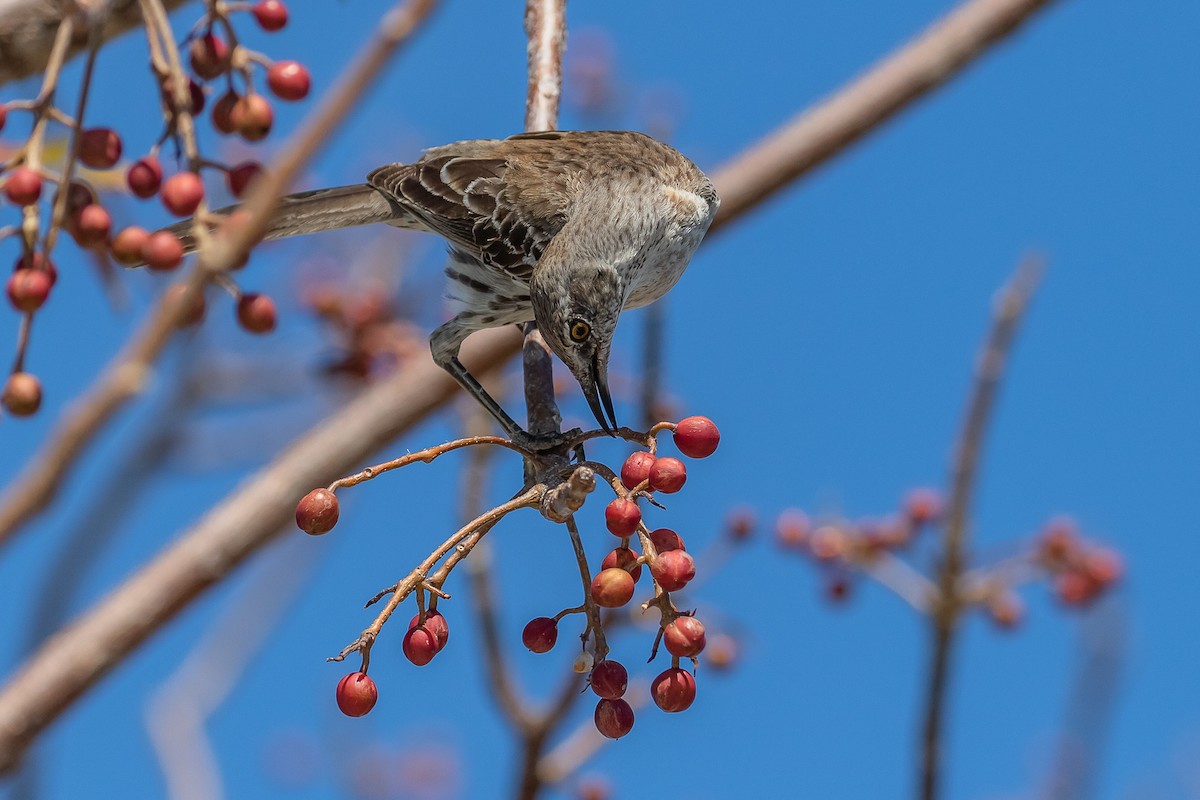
pixel 1079 570
pixel 76 207
pixel 671 568
pixel 613 585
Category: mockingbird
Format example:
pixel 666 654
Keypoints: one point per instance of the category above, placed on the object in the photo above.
pixel 567 228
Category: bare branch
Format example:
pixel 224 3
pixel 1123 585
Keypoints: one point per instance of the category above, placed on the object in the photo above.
pixel 894 83
pixel 1010 307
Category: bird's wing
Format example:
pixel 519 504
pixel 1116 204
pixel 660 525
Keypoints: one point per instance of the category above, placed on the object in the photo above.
pixel 469 200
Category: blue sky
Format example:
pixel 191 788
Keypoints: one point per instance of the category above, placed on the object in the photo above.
pixel 831 335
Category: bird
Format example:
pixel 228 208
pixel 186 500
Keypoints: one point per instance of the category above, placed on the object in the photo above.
pixel 563 228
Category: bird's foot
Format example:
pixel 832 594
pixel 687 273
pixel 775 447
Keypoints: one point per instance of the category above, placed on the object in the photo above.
pixel 546 442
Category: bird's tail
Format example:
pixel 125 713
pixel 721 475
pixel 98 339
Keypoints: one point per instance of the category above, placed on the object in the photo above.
pixel 315 211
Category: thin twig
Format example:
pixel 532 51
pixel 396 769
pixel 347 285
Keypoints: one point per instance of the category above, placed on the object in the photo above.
pixel 1011 304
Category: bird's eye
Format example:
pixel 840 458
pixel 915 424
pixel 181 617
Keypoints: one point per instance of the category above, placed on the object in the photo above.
pixel 580 331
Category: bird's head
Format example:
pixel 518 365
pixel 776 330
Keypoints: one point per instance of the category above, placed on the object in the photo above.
pixel 576 309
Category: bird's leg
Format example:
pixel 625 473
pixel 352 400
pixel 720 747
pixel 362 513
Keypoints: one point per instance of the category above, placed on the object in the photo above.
pixel 444 344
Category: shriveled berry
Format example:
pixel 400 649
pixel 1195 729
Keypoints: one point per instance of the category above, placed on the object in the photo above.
pixel 624 558
pixel 540 634
pixel 24 186
pixel 622 517
pixel 252 117
pixel 240 176
pixel 667 475
pixel 636 469
pixel 289 80
pixel 91 225
pixel 673 690
pixel 356 694
pixel 612 588
pixel 684 637
pixel 126 246
pixel 610 679
pixel 665 539
pixel 22 394
pixel 614 718
pixel 673 570
pixel 209 56
pixel 435 623
pixel 317 512
pixel 256 313
pixel 182 193
pixel 144 177
pixel 420 645
pixel 100 148
pixel 271 15
pixel 162 251
pixel 28 289
pixel 697 437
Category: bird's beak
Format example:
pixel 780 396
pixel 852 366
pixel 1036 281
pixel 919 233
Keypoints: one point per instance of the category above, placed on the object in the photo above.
pixel 595 389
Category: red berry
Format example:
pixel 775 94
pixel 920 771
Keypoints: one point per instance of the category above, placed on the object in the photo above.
pixel 612 588
pixel 28 289
pixel 3 115
pixel 420 645
pixel 162 251
pixel 79 197
pixel 289 80
pixel 614 718
pixel 24 186
pixel 1074 587
pixel 697 437
pixel 91 225
pixel 256 313
pixel 22 394
pixel 38 262
pixel 792 529
pixel 317 512
pixel 922 506
pixel 194 315
pixel 1103 566
pixel 1006 610
pixel 356 694
pixel 673 690
pixel 144 177
pixel 222 112
pixel 622 517
pixel 240 176
pixel 624 558
pixel 100 148
pixel 435 623
pixel 1059 540
pixel 270 14
pixel 126 246
pixel 684 637
pixel 636 469
pixel 829 542
pixel 673 570
pixel 182 193
pixel 209 56
pixel 665 539
pixel 667 475
pixel 610 679
pixel 252 116
pixel 540 634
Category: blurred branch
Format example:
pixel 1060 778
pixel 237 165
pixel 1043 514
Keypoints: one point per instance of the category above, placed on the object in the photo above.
pixel 894 83
pixel 128 374
pixel 28 27
pixel 1011 304
pixel 76 659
